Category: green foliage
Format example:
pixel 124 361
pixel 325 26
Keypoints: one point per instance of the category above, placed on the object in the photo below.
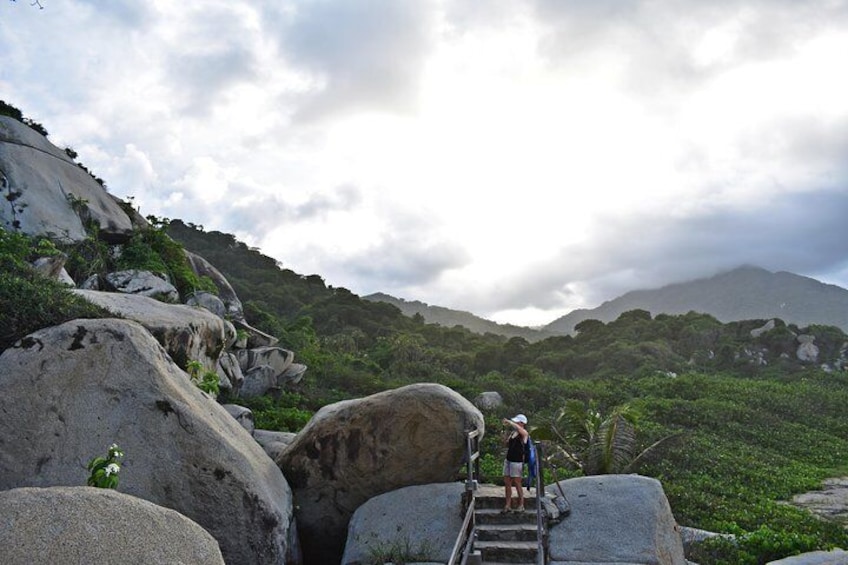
pixel 204 379
pixel 287 413
pixel 103 471
pixel 153 250
pixel 757 547
pixel 28 300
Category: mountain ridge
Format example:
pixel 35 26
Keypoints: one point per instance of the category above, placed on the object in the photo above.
pixel 448 317
pixel 744 293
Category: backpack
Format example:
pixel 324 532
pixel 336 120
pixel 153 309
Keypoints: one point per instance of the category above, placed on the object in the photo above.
pixel 529 462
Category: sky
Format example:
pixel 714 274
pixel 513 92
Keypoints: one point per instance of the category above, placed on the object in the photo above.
pixel 517 159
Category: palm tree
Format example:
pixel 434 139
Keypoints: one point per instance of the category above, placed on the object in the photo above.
pixel 584 438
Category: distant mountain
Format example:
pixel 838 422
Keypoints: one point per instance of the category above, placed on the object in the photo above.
pixel 744 293
pixel 449 318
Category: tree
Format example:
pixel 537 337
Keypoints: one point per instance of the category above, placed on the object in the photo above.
pixel 583 438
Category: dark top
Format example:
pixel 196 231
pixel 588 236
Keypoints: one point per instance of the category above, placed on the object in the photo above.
pixel 515 449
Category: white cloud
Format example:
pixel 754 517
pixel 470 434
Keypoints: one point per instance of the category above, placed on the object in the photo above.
pixel 516 161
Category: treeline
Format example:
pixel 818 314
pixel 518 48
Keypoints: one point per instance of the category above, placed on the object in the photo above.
pixel 357 347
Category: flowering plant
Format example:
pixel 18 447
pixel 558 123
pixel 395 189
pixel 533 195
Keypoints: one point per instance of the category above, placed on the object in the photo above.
pixel 104 470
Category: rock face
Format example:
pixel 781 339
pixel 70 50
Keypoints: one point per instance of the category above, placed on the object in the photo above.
pixel 616 519
pixel 488 400
pixel 141 283
pixel 203 268
pixel 273 442
pixel 90 525
pixel 425 518
pixel 835 557
pixel 186 333
pixel 68 392
pixel 264 369
pixel 42 182
pixel 807 350
pixel 354 450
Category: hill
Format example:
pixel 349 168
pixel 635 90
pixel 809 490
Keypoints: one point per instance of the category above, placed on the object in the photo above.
pixel 744 293
pixel 450 318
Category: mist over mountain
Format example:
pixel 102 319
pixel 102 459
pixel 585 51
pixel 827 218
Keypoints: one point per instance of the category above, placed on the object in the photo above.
pixel 744 293
pixel 449 318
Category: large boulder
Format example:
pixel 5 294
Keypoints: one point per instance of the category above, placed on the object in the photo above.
pixel 616 519
pixel 429 531
pixel 833 557
pixel 488 400
pixel 68 392
pixel 264 369
pixel 354 450
pixel 807 350
pixel 273 442
pixel 277 358
pixel 203 268
pixel 229 371
pixel 91 525
pixel 209 301
pixel 142 283
pixel 48 193
pixel 186 333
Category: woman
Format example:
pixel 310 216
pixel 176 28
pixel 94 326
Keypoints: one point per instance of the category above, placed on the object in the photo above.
pixel 514 462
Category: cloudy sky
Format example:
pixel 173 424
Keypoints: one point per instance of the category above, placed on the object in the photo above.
pixel 513 158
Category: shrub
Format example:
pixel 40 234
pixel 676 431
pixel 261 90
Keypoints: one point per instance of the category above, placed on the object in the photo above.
pixel 30 301
pixel 104 470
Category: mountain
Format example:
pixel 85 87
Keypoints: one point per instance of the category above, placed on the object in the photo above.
pixel 450 318
pixel 745 293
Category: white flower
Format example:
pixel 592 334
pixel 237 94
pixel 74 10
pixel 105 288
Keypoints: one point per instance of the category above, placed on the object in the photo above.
pixel 112 469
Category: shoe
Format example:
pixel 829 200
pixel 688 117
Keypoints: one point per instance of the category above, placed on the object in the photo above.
pixel 519 509
pixel 506 510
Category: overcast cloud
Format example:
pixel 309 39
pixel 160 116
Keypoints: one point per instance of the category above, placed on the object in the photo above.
pixel 518 158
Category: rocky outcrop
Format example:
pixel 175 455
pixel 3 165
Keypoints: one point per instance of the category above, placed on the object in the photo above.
pixel 203 268
pixel 229 372
pixel 354 450
pixel 242 415
pixel 265 369
pixel 141 283
pixel 90 525
pixel 68 392
pixel 209 301
pixel 46 193
pixel 616 519
pixel 830 502
pixel 807 351
pixel 186 333
pixel 488 400
pixel 834 557
pixel 423 518
pixel 767 327
pixel 274 443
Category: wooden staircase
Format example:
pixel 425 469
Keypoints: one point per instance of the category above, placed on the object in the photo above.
pixel 505 537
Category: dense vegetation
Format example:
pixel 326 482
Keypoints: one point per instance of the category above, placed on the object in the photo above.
pixel 754 425
pixel 28 300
